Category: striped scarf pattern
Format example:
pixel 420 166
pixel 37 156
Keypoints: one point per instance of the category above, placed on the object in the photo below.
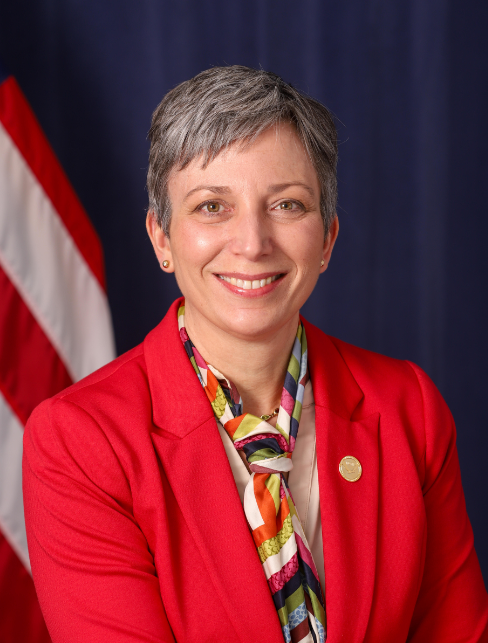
pixel 268 505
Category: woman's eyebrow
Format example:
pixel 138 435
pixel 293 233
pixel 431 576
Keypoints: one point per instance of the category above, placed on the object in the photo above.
pixel 272 189
pixel 216 189
pixel 279 187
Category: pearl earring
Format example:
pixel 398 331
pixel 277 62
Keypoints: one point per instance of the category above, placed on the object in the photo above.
pixel 322 263
pixel 165 264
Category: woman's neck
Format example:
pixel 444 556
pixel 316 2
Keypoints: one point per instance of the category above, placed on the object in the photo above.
pixel 257 367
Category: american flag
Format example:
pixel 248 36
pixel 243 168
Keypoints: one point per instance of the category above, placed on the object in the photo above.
pixel 55 324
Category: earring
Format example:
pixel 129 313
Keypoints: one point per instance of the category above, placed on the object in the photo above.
pixel 322 263
pixel 165 264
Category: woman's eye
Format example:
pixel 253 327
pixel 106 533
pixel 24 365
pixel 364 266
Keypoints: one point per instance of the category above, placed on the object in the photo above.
pixel 288 206
pixel 212 207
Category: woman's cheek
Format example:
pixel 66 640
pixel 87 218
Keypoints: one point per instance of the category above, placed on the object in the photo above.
pixel 194 245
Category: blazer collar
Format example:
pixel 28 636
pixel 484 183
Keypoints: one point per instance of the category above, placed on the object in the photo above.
pixel 334 386
pixel 167 363
pixel 176 411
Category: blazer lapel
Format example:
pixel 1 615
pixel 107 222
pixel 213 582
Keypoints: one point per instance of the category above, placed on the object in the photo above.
pixel 196 465
pixel 349 510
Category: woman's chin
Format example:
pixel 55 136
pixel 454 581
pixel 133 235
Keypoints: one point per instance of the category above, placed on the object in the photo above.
pixel 252 324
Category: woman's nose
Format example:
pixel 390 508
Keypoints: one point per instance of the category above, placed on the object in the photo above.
pixel 251 234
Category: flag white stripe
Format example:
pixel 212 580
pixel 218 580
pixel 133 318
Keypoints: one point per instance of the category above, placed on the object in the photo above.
pixel 11 504
pixel 68 302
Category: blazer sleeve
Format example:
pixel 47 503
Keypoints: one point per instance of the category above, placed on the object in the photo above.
pixel 93 571
pixel 452 603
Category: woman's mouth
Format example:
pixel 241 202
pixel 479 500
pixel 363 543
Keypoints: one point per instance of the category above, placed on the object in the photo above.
pixel 247 284
pixel 253 286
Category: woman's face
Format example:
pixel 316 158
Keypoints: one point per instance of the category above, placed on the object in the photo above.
pixel 246 235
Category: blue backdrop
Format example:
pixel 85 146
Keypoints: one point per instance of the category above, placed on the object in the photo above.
pixel 406 79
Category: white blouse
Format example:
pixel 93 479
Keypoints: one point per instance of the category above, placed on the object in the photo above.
pixel 303 478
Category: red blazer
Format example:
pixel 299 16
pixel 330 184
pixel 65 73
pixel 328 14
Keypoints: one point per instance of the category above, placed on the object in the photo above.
pixel 136 531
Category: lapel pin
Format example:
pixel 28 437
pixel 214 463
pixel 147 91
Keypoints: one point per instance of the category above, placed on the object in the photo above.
pixel 350 468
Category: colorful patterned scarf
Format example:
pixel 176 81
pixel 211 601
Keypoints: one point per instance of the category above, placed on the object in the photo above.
pixel 268 504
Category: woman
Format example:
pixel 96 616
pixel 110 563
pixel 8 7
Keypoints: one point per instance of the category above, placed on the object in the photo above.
pixel 159 489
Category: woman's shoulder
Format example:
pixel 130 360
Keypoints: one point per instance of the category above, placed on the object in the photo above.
pixel 372 369
pixel 398 390
pixel 106 399
pixel 376 374
pixel 108 380
pixel 399 380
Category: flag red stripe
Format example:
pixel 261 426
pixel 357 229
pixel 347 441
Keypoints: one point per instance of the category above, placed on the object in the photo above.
pixel 21 618
pixel 30 368
pixel 22 126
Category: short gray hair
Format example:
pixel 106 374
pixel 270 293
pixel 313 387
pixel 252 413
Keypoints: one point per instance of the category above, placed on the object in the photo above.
pixel 225 105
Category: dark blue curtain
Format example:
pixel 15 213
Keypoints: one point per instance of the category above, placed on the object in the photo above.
pixel 407 80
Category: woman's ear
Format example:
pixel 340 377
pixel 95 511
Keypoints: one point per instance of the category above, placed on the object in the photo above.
pixel 329 242
pixel 160 242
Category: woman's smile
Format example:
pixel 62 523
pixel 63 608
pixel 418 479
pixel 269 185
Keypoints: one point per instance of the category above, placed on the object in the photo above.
pixel 251 285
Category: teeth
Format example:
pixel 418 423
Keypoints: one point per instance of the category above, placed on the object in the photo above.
pixel 247 284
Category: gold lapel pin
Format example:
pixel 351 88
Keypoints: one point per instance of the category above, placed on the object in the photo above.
pixel 350 468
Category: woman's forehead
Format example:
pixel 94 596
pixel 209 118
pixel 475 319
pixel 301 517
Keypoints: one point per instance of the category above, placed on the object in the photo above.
pixel 275 157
